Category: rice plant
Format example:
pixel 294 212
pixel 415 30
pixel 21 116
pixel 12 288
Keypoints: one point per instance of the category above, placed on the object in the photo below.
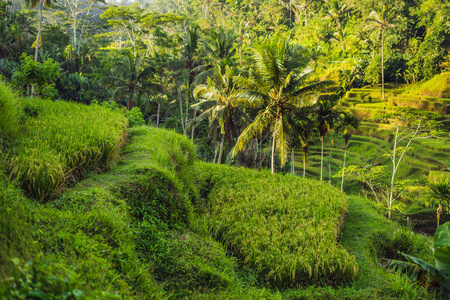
pixel 61 142
pixel 284 227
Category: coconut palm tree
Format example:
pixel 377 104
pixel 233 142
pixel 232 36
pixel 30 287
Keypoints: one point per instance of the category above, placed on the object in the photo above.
pixel 338 11
pixel 305 129
pixel 381 20
pixel 326 117
pixel 347 122
pixel 441 192
pixel 277 85
pixel 132 73
pixel 219 97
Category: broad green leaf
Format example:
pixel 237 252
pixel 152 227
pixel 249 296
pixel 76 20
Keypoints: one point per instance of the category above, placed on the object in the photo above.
pixel 442 249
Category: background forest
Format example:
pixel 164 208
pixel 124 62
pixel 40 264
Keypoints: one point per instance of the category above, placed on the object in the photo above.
pixel 118 121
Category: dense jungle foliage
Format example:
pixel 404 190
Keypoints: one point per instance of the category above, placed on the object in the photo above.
pixel 117 119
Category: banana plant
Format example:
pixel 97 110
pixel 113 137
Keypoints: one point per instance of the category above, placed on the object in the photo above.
pixel 418 270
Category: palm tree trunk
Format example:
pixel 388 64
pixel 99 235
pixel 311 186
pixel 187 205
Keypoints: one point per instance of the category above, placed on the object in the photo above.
pixel 272 165
pixel 130 101
pixel 382 62
pixel 157 115
pixel 306 15
pixel 321 162
pixel 193 126
pixel 304 164
pixel 74 33
pixel 343 168
pixel 292 162
pixel 215 155
pixel 39 34
pixel 180 100
pixel 219 161
pixel 329 166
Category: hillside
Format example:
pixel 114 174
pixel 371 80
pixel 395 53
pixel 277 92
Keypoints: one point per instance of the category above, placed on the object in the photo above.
pixel 155 223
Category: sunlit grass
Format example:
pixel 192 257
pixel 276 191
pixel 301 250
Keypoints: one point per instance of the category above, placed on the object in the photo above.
pixel 284 227
pixel 61 142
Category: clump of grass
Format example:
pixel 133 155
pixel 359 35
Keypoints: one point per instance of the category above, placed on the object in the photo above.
pixel 438 86
pixel 62 142
pixel 9 112
pixel 284 227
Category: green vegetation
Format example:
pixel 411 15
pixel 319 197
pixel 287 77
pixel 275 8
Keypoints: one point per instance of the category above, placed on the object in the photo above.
pixel 97 203
pixel 9 112
pixel 61 142
pixel 288 235
pixel 438 86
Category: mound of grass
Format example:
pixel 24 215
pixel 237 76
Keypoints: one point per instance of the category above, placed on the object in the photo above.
pixel 61 142
pixel 9 112
pixel 284 227
pixel 438 86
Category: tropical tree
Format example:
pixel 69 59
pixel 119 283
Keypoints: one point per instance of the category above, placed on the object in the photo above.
pixel 277 85
pixel 191 41
pixel 441 192
pixel 305 129
pixel 219 98
pixel 326 116
pixel 131 73
pixel 382 21
pixel 347 122
pixel 339 12
pixel 33 4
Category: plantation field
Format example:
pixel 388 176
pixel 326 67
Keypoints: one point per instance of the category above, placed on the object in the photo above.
pixel 60 142
pixel 284 227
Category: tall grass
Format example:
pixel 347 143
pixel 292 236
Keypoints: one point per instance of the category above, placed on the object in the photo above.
pixel 61 142
pixel 284 227
pixel 9 112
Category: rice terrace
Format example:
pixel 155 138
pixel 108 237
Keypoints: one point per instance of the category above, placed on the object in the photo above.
pixel 224 149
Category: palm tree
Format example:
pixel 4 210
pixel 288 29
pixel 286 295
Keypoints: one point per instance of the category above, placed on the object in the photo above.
pixel 219 97
pixel 347 122
pixel 441 191
pixel 339 12
pixel 132 75
pixel 33 4
pixel 382 21
pixel 276 83
pixel 326 116
pixel 305 129
pixel 191 41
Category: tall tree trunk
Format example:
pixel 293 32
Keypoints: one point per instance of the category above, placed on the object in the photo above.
pixel 39 32
pixel 304 164
pixel 272 164
pixel 306 15
pixel 292 162
pixel 382 62
pixel 180 100
pixel 74 33
pixel 219 161
pixel 193 125
pixel 329 159
pixel 130 101
pixel 343 168
pixel 321 162
pixel 215 155
pixel 157 115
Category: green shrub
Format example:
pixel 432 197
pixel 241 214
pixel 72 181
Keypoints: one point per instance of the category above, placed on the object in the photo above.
pixel 401 240
pixel 282 226
pixel 63 142
pixel 9 112
pixel 438 86
pixel 135 117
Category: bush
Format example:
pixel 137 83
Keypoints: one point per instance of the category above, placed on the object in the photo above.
pixel 282 226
